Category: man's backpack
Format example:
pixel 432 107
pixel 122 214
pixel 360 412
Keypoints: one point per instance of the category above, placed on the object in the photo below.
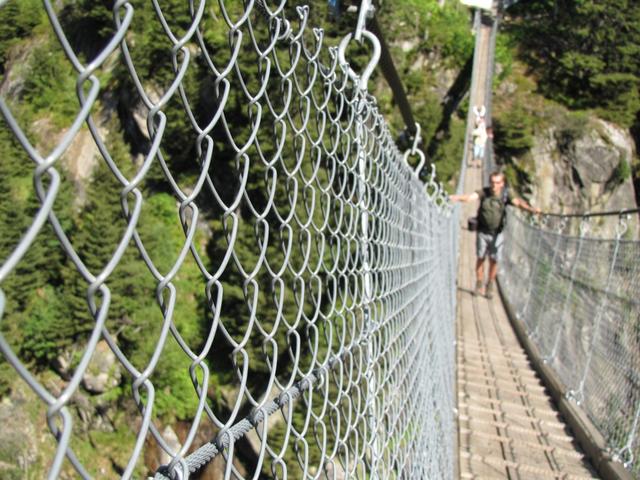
pixel 473 223
pixel 505 201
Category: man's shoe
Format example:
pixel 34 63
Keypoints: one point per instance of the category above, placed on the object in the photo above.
pixel 490 290
pixel 479 288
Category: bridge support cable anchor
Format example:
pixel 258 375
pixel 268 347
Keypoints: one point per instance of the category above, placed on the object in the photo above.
pixel 360 32
pixel 415 151
pixel 625 454
pixel 367 21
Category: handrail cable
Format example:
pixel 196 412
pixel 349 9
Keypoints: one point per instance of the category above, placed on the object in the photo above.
pixel 626 211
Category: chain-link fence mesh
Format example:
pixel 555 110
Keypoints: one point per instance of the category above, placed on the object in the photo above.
pixel 579 298
pixel 223 262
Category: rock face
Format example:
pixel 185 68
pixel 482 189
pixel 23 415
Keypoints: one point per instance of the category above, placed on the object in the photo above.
pixel 171 438
pixel 18 449
pixel 103 372
pixel 585 173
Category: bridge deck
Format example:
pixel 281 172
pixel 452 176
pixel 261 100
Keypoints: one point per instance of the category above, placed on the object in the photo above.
pixel 508 426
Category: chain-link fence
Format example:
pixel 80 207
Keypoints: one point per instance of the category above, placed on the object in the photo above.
pixel 223 263
pixel 579 298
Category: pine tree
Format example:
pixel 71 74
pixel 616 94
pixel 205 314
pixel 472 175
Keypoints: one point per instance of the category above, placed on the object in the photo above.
pixel 588 52
pixel 33 283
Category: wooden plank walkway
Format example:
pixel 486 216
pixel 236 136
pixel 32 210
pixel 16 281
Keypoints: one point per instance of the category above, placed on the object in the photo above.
pixel 508 426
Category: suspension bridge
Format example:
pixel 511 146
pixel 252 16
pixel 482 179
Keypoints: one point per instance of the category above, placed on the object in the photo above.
pixel 337 330
pixel 511 423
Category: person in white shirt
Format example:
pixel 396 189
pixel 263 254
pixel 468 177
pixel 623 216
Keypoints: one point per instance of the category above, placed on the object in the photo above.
pixel 479 141
pixel 479 112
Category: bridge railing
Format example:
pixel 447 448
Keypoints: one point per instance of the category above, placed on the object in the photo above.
pixel 291 278
pixel 578 296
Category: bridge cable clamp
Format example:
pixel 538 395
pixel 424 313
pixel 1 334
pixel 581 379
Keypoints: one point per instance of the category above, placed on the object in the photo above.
pixel 623 225
pixel 431 183
pixel 414 150
pixel 366 11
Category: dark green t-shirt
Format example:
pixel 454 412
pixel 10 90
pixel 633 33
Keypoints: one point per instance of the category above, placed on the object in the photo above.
pixel 492 209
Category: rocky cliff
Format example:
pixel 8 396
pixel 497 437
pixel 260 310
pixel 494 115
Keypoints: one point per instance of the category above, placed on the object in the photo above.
pixel 564 161
pixel 585 170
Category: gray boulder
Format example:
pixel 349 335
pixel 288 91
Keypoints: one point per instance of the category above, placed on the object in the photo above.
pixel 103 372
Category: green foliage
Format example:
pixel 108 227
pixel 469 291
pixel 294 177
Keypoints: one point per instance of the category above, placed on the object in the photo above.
pixel 450 29
pixel 10 450
pixel 175 395
pixel 587 53
pixel 515 122
pixel 134 312
pixel 514 131
pixel 504 56
pixel 572 126
pixel 415 12
pixel 622 172
pixel 96 234
pixel 442 35
pixel 620 96
pixel 88 25
pixel 31 289
pixel 449 153
pixel 7 377
pixel 115 448
pixel 425 105
pixel 17 20
pixel 49 86
pixel 14 186
pixel 141 315
pixel 511 175
pixel 45 326
pixel 446 30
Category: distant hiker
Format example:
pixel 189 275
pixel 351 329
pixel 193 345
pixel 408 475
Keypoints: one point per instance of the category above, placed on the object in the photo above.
pixel 479 112
pixel 479 142
pixel 490 221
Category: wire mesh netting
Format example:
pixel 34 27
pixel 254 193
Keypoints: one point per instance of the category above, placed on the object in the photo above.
pixel 213 255
pixel 579 298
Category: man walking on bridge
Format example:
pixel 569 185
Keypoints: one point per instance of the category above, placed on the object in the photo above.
pixel 490 220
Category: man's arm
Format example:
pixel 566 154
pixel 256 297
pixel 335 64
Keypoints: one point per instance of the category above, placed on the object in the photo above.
pixel 518 202
pixel 464 198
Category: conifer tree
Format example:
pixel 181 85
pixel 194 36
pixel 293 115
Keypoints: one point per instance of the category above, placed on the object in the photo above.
pixel 588 52
pixel 30 289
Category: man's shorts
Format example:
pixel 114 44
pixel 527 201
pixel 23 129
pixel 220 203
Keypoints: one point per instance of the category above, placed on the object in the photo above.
pixel 489 244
